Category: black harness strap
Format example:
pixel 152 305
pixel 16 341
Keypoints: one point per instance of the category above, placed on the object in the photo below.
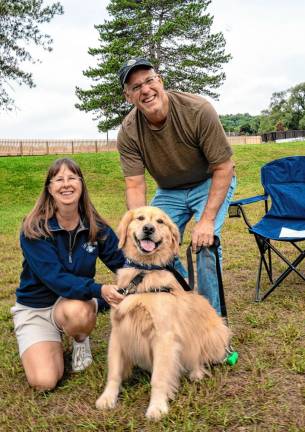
pixel 161 289
pixel 179 278
pixel 132 286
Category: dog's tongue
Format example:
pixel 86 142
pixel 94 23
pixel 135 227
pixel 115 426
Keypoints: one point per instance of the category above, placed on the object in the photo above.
pixel 147 245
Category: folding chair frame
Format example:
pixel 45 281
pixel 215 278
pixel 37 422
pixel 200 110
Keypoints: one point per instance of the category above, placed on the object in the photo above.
pixel 266 248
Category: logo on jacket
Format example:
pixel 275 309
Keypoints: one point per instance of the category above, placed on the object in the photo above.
pixel 89 247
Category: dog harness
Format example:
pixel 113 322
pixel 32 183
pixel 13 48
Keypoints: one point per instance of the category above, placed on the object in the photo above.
pixel 132 286
pixel 169 267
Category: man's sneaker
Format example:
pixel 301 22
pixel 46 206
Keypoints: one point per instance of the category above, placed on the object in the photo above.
pixel 81 355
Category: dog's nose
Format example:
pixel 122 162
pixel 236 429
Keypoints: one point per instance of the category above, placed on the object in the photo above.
pixel 148 229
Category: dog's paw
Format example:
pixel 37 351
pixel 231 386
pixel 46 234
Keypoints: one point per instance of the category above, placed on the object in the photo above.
pixel 107 400
pixel 155 412
pixel 198 374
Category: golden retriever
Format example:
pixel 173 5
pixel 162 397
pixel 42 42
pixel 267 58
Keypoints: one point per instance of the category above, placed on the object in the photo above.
pixel 166 333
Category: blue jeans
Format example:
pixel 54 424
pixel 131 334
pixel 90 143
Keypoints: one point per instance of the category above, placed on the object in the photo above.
pixel 181 205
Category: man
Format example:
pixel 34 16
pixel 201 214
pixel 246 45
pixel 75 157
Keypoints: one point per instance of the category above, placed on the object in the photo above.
pixel 178 138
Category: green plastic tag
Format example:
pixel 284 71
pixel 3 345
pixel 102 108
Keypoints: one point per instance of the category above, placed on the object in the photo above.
pixel 232 358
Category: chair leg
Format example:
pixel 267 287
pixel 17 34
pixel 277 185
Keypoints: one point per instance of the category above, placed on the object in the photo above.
pixel 266 248
pixel 270 263
pixel 263 247
pixel 291 267
pixel 258 280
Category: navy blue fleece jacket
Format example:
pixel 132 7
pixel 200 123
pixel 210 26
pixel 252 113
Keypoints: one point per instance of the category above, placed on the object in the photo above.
pixel 60 266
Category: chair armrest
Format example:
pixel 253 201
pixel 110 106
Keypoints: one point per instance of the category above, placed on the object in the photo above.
pixel 249 200
pixel 236 207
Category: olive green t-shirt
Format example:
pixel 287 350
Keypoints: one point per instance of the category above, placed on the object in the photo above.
pixel 179 154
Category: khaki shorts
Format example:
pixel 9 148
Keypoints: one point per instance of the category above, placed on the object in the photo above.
pixel 33 325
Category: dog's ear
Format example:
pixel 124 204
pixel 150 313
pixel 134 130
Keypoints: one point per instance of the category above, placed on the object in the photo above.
pixel 123 228
pixel 175 236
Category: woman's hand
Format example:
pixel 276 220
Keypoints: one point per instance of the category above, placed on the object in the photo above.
pixel 111 295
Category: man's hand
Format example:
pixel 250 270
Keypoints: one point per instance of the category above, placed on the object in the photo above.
pixel 203 234
pixel 111 295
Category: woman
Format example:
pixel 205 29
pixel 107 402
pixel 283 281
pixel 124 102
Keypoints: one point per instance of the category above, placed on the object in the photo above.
pixel 61 239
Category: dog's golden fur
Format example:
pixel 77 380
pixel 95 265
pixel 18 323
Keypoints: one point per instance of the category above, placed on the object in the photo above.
pixel 165 333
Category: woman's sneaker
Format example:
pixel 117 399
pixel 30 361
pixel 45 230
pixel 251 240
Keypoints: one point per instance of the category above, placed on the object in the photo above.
pixel 81 355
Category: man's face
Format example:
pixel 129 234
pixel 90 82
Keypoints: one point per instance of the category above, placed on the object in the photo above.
pixel 145 90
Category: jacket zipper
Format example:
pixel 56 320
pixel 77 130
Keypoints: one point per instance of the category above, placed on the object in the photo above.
pixel 71 245
pixel 70 248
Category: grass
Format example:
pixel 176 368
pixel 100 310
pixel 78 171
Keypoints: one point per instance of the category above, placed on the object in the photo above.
pixel 265 391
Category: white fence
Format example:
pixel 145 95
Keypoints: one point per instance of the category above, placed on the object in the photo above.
pixel 245 139
pixel 25 147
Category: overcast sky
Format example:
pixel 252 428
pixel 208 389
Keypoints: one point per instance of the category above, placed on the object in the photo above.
pixel 265 37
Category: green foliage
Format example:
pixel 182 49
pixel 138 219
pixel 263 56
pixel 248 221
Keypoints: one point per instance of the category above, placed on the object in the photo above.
pixel 287 108
pixel 240 123
pixel 19 26
pixel 174 34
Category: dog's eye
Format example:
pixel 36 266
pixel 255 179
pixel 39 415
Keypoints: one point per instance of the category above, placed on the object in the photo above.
pixel 160 221
pixel 140 218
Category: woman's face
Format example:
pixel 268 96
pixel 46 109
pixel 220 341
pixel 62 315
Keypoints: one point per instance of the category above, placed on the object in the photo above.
pixel 65 188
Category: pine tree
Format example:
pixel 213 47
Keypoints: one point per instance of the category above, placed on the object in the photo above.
pixel 19 26
pixel 175 35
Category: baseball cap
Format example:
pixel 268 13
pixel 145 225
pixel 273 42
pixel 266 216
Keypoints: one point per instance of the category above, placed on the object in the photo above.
pixel 131 65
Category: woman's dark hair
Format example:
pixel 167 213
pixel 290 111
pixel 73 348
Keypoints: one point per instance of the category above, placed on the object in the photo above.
pixel 35 224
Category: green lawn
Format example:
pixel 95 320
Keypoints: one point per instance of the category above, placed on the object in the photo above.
pixel 265 391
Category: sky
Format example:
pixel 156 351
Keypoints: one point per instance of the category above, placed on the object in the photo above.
pixel 264 37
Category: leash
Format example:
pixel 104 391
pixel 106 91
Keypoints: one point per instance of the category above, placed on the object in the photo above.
pixel 190 268
pixel 179 278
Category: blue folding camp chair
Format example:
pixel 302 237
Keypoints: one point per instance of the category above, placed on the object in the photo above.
pixel 283 181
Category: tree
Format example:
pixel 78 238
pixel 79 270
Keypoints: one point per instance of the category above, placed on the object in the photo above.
pixel 240 123
pixel 296 103
pixel 246 129
pixel 19 26
pixel 302 123
pixel 279 127
pixel 287 108
pixel 266 123
pixel 174 34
